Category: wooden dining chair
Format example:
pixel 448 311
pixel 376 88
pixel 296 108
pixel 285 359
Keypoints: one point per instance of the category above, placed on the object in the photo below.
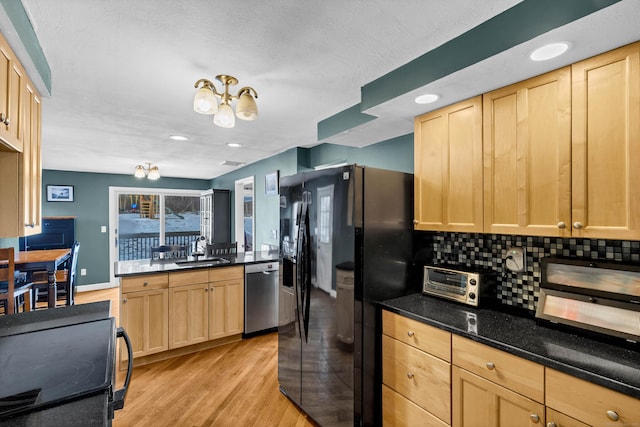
pixel 222 249
pixel 65 280
pixel 13 295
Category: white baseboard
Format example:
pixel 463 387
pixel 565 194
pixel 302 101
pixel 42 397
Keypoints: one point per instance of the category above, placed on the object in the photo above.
pixel 95 287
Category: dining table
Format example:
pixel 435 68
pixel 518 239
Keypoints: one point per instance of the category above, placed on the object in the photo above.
pixel 45 260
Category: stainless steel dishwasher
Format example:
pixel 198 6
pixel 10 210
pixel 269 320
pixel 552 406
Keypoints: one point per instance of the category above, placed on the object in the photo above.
pixel 260 298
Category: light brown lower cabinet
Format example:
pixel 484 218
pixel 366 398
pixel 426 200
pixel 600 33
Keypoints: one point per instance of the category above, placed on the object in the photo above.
pixel 481 403
pixel 589 403
pixel 188 315
pixel 401 412
pixel 144 317
pixel 168 311
pixel 558 419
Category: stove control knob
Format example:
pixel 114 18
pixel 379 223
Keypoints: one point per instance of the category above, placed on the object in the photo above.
pixel 472 295
pixel 472 282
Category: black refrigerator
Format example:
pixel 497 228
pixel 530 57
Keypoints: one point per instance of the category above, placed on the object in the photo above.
pixel 345 242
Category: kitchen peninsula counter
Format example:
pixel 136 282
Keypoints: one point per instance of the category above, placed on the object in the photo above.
pixel 147 266
pixel 594 360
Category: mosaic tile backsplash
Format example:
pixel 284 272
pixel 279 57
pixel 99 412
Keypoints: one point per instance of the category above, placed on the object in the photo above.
pixel 522 289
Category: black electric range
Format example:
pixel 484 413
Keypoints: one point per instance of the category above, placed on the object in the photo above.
pixel 57 367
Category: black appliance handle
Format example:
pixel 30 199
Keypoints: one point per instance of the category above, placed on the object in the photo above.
pixel 298 275
pixel 306 275
pixel 119 395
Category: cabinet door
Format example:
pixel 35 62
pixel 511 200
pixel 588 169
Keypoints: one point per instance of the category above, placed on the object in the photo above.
pixel 226 308
pixel 448 168
pixel 145 318
pixel 606 145
pixel 188 315
pixel 527 157
pixel 31 200
pixel 11 85
pixel 478 402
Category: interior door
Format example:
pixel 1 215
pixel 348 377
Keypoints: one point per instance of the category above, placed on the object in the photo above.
pixel 324 238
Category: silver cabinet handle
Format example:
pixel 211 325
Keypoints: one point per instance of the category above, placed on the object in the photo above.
pixel 562 225
pixel 145 284
pixel 33 224
pixel 415 221
pixel 577 225
pixel 124 301
pixel 613 415
pixel 410 375
pixel 490 366
pixel 552 424
pixel 535 418
pixel 410 333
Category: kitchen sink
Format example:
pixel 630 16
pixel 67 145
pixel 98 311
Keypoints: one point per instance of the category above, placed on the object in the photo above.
pixel 202 262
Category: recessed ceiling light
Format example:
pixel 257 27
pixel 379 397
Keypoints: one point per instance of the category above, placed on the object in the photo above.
pixel 549 51
pixel 179 137
pixel 234 145
pixel 427 98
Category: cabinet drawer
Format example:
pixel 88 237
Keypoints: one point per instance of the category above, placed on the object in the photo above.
pixel 142 283
pixel 418 376
pixel 226 273
pixel 590 403
pixel 424 337
pixel 399 411
pixel 191 277
pixel 558 419
pixel 513 372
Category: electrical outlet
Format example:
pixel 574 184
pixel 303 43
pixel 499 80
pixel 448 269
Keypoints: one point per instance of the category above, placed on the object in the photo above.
pixel 83 271
pixel 103 229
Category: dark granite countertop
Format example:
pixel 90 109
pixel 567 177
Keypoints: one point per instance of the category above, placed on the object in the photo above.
pixel 607 364
pixel 146 266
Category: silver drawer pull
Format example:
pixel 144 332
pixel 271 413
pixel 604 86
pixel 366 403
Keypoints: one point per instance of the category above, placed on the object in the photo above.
pixel 124 301
pixel 410 375
pixel 410 333
pixel 613 415
pixel 577 225
pixel 552 424
pixel 145 284
pixel 535 418
pixel 490 366
pixel 562 225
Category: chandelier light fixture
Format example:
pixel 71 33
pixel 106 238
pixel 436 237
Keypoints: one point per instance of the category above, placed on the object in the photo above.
pixel 151 172
pixel 206 101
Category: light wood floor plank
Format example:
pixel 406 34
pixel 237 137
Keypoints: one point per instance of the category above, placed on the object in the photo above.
pixel 232 385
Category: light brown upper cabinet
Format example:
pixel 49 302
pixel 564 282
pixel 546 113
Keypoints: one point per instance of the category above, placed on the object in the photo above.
pixel 527 157
pixel 20 149
pixel 606 145
pixel 448 168
pixel 11 86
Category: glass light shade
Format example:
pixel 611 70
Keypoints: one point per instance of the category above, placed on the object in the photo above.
pixel 139 173
pixel 247 108
pixel 205 102
pixel 224 117
pixel 154 173
pixel 549 51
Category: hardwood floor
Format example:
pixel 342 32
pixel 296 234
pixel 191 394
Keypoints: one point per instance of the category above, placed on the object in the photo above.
pixel 232 385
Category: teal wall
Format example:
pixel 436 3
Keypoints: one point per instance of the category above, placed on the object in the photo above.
pixel 91 205
pixel 91 209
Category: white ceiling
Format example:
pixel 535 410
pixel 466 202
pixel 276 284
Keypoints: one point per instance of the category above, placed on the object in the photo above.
pixel 123 72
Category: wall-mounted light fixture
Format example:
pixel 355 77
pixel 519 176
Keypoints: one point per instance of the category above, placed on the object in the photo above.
pixel 151 172
pixel 206 101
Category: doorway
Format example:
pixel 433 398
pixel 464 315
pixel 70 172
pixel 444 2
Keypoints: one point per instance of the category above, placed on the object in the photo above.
pixel 324 268
pixel 244 219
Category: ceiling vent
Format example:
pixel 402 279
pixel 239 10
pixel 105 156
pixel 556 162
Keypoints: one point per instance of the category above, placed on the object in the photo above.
pixel 231 163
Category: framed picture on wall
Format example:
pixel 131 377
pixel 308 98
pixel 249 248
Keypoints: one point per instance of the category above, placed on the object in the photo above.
pixel 59 193
pixel 271 183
